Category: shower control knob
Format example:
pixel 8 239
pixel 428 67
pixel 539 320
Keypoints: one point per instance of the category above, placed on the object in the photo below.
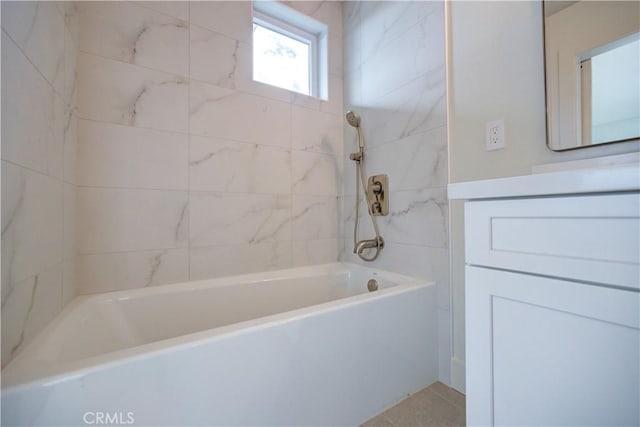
pixel 378 195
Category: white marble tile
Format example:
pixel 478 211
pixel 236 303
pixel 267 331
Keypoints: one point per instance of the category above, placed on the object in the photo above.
pixel 112 220
pixel 60 5
pixel 70 148
pixel 345 247
pixel 115 92
pixel 72 19
pixel 55 143
pixel 413 108
pixel 29 306
pixel 350 168
pixel 218 261
pixel 112 155
pixel 417 51
pixel 228 114
pixel 335 56
pixel 31 223
pixel 37 27
pixel 314 217
pixel 343 212
pixel 217 59
pixel 310 252
pixel 70 69
pixel 32 115
pixel 365 225
pixel 316 131
pixel 129 270
pixel 316 173
pixel 327 12
pixel 384 22
pixel 127 32
pixel 410 260
pixel 230 219
pixel 352 55
pixel 415 162
pixel 47 301
pixel 69 288
pixel 353 93
pixel 439 260
pixel 444 346
pixel 334 103
pixel 418 217
pixel 248 85
pixel 238 167
pixel 231 18
pixel 178 9
pixel 351 17
pixel 420 261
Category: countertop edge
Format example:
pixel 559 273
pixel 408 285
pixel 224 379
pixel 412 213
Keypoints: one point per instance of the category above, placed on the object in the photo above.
pixel 613 179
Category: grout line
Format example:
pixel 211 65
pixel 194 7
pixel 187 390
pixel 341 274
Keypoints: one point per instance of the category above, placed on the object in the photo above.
pixel 49 84
pixel 143 5
pixel 88 119
pixel 199 135
pixel 180 248
pixel 133 64
pixel 188 237
pixel 36 171
pixel 291 182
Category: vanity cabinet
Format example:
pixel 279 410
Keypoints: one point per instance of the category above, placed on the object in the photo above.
pixel 552 304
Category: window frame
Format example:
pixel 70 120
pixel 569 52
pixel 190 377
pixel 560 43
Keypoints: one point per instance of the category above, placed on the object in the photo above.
pixel 297 26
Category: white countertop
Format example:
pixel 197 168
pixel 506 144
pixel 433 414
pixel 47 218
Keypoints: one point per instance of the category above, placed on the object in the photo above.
pixel 619 178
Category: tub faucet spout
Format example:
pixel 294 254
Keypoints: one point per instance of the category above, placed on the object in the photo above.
pixel 368 244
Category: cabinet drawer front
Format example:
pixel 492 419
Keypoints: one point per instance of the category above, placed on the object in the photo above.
pixel 588 238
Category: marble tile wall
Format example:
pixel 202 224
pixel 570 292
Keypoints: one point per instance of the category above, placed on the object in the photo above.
pixel 187 169
pixel 39 53
pixel 394 72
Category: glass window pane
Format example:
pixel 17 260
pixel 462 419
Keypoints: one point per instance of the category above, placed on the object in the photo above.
pixel 280 60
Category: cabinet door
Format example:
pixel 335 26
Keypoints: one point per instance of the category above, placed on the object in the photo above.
pixel 542 351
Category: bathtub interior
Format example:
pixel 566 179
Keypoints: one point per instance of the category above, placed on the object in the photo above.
pixel 94 326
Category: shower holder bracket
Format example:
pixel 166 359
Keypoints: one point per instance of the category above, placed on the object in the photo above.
pixel 378 195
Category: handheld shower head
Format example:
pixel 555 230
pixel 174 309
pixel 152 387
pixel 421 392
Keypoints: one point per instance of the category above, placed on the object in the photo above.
pixel 353 119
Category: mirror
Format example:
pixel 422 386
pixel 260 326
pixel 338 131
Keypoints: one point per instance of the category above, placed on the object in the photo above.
pixel 592 72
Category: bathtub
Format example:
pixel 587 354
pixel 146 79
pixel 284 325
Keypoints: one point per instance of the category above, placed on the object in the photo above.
pixel 304 346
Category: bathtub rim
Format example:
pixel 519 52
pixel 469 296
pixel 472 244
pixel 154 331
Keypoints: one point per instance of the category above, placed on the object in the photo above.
pixel 51 374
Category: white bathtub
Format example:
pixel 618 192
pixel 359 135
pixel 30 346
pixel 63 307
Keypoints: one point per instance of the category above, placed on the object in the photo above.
pixel 305 346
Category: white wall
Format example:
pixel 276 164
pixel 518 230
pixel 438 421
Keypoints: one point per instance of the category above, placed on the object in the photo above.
pixel 39 49
pixel 495 70
pixel 395 80
pixel 187 169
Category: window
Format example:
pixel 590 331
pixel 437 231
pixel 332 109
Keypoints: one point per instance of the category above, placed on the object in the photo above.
pixel 289 49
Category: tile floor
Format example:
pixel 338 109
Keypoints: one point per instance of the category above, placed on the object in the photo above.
pixel 435 406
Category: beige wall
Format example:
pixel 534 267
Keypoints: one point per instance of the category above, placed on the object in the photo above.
pixel 495 70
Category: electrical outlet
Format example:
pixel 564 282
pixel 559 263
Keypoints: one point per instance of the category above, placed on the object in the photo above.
pixel 494 135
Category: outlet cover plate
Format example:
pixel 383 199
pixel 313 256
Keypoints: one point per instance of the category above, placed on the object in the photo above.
pixel 494 135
